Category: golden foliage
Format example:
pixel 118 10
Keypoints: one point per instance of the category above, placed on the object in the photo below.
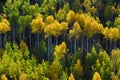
pixel 23 76
pixel 96 76
pixel 89 25
pixel 79 67
pixel 64 26
pixel 54 71
pixel 115 54
pixel 81 18
pixel 106 32
pixel 112 33
pixel 60 50
pixel 70 16
pixel 71 33
pixel 97 63
pixel 49 19
pixel 71 77
pixel 37 24
pixel 3 77
pixel 76 31
pixel 23 46
pixel 53 29
pixel 4 26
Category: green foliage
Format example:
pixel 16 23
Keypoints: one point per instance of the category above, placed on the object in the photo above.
pixel 109 13
pixel 13 58
pixel 77 6
pixel 115 56
pixel 61 14
pixel 20 13
pixel 19 64
pixel 64 76
pixel 89 6
pixel 1 18
pixel 42 51
pixel 48 7
pixel 28 9
pixel 118 73
pixel 23 22
pixel 89 61
pixel 117 22
pixel 103 65
pixel 11 9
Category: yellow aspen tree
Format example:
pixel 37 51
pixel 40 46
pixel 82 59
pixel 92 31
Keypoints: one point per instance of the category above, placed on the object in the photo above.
pixel 71 77
pixel 54 71
pixel 79 67
pixel 70 16
pixel 96 76
pixel 4 26
pixel 3 77
pixel 60 51
pixel 37 24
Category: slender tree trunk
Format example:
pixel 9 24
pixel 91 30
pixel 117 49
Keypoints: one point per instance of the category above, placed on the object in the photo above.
pixel 115 44
pixel 49 44
pixel 0 40
pixel 63 37
pixel 87 43
pixel 56 40
pixel 71 43
pixel 5 38
pixel 71 39
pixel 75 45
pixel 82 43
pixel 118 43
pixel 110 46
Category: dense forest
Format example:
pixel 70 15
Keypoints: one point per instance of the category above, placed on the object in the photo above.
pixel 59 39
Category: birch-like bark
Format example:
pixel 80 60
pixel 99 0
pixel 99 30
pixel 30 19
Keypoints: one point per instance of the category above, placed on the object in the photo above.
pixel 87 44
pixel 5 38
pixel 115 44
pixel 0 40
pixel 49 45
pixel 110 46
pixel 56 40
pixel 64 37
pixel 75 45
pixel 82 43
pixel 71 43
